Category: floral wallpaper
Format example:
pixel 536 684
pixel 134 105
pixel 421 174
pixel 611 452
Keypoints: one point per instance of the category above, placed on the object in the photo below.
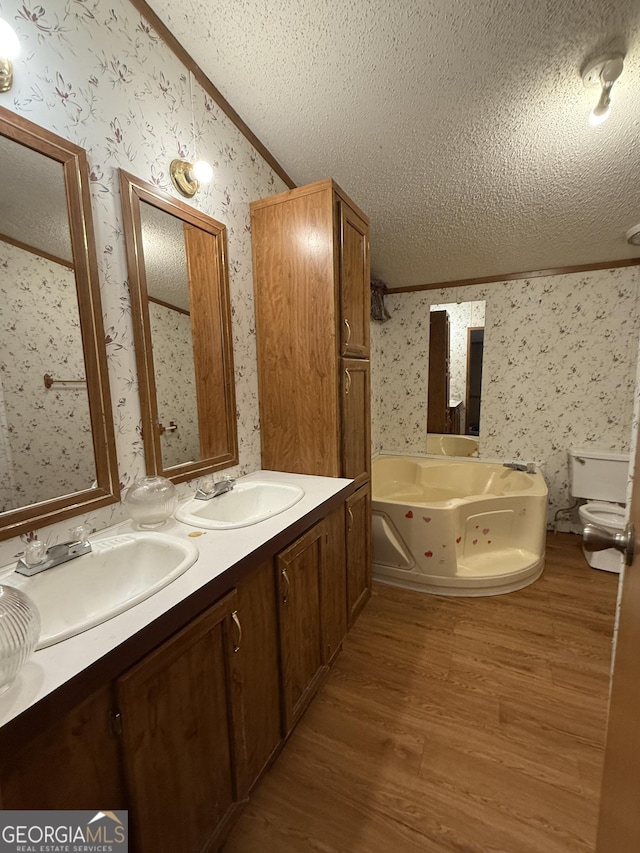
pixel 100 76
pixel 175 384
pixel 559 371
pixel 7 478
pixel 49 431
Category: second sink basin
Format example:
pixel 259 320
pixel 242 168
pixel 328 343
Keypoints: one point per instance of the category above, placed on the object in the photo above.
pixel 119 572
pixel 247 503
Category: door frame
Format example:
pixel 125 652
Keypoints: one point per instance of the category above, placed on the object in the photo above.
pixel 619 819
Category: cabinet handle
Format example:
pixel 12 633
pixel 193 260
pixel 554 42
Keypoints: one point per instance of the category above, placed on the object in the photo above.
pixel 350 514
pixel 116 723
pixel 236 619
pixel 348 378
pixel 346 322
pixel 285 597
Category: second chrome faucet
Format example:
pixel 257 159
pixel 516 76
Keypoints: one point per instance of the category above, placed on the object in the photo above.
pixel 207 489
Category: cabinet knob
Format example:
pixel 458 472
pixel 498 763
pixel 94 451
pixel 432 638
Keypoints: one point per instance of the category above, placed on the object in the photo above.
pixel 348 338
pixel 347 386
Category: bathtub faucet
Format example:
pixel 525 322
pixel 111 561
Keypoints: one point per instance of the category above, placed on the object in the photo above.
pixel 529 468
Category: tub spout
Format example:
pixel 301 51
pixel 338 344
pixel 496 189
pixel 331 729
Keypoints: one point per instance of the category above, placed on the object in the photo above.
pixel 528 468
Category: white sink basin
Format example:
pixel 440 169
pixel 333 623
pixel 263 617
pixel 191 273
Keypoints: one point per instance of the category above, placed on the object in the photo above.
pixel 247 503
pixel 120 571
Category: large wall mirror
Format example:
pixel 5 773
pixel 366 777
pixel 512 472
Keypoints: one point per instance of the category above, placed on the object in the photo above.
pixel 57 448
pixel 456 345
pixel 182 325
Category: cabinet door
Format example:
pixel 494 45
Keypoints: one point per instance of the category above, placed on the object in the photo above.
pixel 358 509
pixel 356 420
pixel 258 660
pixel 334 584
pixel 74 764
pixel 182 736
pixel 354 282
pixel 299 575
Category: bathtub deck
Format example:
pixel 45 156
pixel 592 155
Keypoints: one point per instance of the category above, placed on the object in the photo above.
pixel 450 724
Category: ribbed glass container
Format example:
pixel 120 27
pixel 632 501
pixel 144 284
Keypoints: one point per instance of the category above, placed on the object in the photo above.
pixel 19 632
pixel 151 500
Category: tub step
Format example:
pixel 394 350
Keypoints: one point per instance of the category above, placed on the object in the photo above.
pixel 505 561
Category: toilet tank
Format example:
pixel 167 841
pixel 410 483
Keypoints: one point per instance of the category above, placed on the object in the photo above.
pixel 598 475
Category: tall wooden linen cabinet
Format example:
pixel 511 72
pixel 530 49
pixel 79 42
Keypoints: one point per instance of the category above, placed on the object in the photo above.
pixel 312 304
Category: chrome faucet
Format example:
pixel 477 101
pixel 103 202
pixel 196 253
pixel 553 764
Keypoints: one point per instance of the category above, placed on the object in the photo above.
pixel 38 558
pixel 208 489
pixel 529 468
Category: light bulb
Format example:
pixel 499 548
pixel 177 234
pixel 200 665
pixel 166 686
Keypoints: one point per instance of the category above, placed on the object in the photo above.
pixel 202 172
pixel 596 118
pixel 9 43
pixel 602 109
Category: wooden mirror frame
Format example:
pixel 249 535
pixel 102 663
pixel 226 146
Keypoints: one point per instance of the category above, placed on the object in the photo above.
pixel 76 178
pixel 133 192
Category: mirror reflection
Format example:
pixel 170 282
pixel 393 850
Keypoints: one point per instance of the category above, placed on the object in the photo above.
pixel 456 342
pixel 182 326
pixel 50 342
pixel 165 257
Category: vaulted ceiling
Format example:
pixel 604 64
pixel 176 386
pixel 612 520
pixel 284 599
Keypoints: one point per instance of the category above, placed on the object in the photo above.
pixel 459 126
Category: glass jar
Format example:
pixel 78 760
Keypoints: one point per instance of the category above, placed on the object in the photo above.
pixel 151 500
pixel 19 632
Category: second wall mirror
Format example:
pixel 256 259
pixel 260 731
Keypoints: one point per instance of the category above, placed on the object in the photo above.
pixel 182 327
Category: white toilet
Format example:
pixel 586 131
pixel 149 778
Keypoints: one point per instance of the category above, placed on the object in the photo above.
pixel 600 476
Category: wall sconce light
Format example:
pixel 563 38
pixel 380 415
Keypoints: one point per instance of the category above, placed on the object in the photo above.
pixel 603 72
pixel 9 49
pixel 187 177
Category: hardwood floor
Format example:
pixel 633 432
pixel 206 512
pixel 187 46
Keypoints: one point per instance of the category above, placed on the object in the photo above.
pixel 469 725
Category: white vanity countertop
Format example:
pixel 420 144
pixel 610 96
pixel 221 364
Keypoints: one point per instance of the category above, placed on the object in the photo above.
pixel 220 550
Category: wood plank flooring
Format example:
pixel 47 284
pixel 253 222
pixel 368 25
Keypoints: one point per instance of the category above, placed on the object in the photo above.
pixel 467 725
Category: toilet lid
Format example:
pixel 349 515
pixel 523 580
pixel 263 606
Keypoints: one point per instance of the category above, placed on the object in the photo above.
pixel 606 514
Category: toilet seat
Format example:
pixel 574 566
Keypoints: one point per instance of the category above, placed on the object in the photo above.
pixel 603 514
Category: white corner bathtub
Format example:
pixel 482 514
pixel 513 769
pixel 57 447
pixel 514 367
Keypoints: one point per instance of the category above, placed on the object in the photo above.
pixel 451 445
pixel 456 527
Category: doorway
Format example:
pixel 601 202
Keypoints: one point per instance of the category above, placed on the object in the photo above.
pixel 475 349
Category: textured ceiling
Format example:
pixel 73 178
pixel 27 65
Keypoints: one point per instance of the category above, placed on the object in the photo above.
pixel 165 256
pixel 33 200
pixel 460 128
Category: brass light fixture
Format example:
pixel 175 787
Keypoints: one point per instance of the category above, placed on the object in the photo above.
pixel 9 49
pixel 187 177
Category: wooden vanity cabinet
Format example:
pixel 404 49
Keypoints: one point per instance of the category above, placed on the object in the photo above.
pixel 299 572
pixel 312 302
pixel 183 736
pixel 358 510
pixel 334 584
pixel 72 764
pixel 260 668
